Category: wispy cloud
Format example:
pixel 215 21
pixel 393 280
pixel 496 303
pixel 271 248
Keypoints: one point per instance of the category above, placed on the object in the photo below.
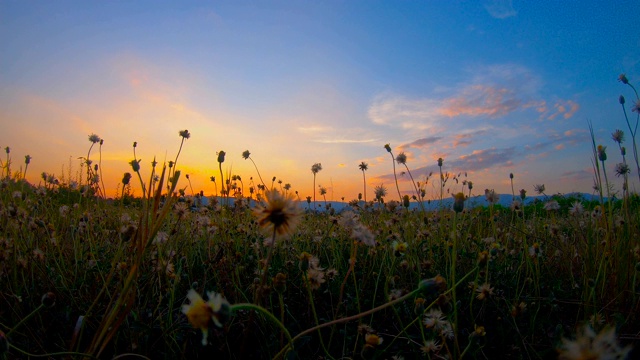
pixel 485 159
pixel 330 135
pixel 421 143
pixel 564 108
pixel 479 100
pixel 399 111
pixel 491 92
pixel 500 9
pixel 463 140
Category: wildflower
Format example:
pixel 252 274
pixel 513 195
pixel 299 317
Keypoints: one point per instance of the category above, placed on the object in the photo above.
pixel 623 79
pixel 94 138
pixel 484 291
pixel 491 196
pixel 315 277
pixel 315 168
pixel 458 202
pixel 539 188
pixel 434 318
pixel 221 155
pixel 479 331
pixel 431 346
pixel 399 248
pixel 199 312
pixel 126 178
pixel 48 299
pixel 516 206
pixel 602 153
pixel 551 205
pixel 534 250
pixel 618 136
pixel 576 208
pixel 38 254
pixel 373 339
pixel 621 100
pixel 280 283
pixel 246 154
pixel 331 274
pixel 622 169
pixel 440 161
pixel 523 194
pixel 180 209
pixel 387 147
pixel 589 345
pixel 380 191
pixel 363 166
pixel 279 215
pixel 135 165
pixel 364 235
pixel 161 238
pixel 518 309
pixel 27 159
pixel 401 158
pixel 184 133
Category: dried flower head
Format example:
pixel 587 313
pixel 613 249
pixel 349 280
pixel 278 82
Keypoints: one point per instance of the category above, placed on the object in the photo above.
pixel 458 202
pixel 602 153
pixel 315 168
pixel 246 154
pixel 539 188
pixel 484 291
pixel 401 158
pixel 618 136
pixel 380 191
pixel 185 134
pixel 94 138
pixel 623 79
pixel 589 345
pixel 363 166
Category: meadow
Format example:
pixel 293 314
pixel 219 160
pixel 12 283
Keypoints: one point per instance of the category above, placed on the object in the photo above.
pixel 270 275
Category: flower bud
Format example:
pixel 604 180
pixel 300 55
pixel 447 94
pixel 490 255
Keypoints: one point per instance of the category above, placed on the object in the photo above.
pixel 48 299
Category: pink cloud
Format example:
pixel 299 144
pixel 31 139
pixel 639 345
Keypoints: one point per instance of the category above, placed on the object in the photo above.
pixel 566 108
pixel 481 100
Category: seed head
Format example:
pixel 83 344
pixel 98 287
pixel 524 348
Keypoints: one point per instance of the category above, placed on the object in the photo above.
pixel 184 133
pixel 458 202
pixel 401 158
pixel 623 79
pixel 246 154
pixel 602 153
pixel 221 155
pixel 618 136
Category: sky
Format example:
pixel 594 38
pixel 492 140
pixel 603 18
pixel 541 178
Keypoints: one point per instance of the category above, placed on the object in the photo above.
pixel 493 88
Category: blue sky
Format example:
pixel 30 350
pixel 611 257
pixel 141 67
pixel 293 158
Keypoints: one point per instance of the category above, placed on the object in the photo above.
pixel 492 87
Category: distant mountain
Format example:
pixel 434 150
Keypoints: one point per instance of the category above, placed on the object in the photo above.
pixel 447 203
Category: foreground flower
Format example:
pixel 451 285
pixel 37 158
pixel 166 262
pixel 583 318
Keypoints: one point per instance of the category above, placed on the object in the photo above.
pixel 589 345
pixel 280 213
pixel 484 291
pixel 199 312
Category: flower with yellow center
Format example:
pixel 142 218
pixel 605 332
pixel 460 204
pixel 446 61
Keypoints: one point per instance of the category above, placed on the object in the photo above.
pixel 280 214
pixel 199 312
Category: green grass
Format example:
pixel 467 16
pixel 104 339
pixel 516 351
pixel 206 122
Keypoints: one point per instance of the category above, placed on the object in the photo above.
pixel 549 272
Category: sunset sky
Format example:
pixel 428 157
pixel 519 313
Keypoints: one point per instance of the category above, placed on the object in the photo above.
pixel 492 87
